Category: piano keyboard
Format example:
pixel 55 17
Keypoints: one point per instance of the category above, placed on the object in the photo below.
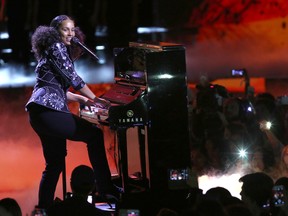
pixel 95 115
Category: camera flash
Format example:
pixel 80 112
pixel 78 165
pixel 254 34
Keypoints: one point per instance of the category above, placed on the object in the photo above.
pixel 268 125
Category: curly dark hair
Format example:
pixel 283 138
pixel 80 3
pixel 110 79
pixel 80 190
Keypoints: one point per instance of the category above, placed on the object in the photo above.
pixel 45 36
pixel 42 38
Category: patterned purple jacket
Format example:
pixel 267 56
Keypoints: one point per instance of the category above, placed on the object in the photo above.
pixel 55 73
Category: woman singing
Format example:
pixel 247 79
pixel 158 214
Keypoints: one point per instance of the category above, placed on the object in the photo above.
pixel 48 110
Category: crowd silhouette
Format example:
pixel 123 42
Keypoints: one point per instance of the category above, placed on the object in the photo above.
pixel 235 133
pixel 10 207
pixel 82 184
pixel 224 124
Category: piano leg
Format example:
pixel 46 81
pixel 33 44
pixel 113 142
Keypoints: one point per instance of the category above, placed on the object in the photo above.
pixel 141 138
pixel 123 160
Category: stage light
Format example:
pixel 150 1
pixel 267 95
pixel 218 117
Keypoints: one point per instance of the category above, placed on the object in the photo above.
pixel 242 153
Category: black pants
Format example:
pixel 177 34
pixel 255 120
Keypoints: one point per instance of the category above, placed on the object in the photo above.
pixel 53 129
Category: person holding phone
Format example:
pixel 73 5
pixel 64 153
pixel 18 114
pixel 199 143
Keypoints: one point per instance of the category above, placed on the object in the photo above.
pixel 280 198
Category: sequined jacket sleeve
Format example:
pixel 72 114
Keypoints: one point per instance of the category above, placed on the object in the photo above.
pixel 59 58
pixel 55 73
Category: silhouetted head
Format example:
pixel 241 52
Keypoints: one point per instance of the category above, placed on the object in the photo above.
pixel 10 206
pixel 218 193
pixel 82 180
pixel 257 188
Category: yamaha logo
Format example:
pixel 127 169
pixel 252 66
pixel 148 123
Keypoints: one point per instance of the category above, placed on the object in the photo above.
pixel 130 113
pixel 130 118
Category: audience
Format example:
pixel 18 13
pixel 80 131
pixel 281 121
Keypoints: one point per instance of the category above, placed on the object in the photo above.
pixel 256 125
pixel 282 166
pixel 282 181
pixel 82 184
pixel 245 127
pixel 262 159
pixel 9 207
pixel 219 194
pixel 233 206
pixel 267 110
pixel 167 212
pixel 256 192
pixel 208 207
pixel 239 209
pixel 281 209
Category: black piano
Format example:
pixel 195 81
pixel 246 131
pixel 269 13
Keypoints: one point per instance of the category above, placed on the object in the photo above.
pixel 150 92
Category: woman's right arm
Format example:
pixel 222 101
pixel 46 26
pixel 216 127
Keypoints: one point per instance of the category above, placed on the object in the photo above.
pixel 100 102
pixel 88 98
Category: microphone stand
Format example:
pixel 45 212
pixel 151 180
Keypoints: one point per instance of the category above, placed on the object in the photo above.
pixel 77 41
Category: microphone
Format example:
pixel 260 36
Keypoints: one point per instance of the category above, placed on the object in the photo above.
pixel 75 40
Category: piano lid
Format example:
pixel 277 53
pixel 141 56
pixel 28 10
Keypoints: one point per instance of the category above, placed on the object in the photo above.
pixel 130 62
pixel 156 46
pixel 129 65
